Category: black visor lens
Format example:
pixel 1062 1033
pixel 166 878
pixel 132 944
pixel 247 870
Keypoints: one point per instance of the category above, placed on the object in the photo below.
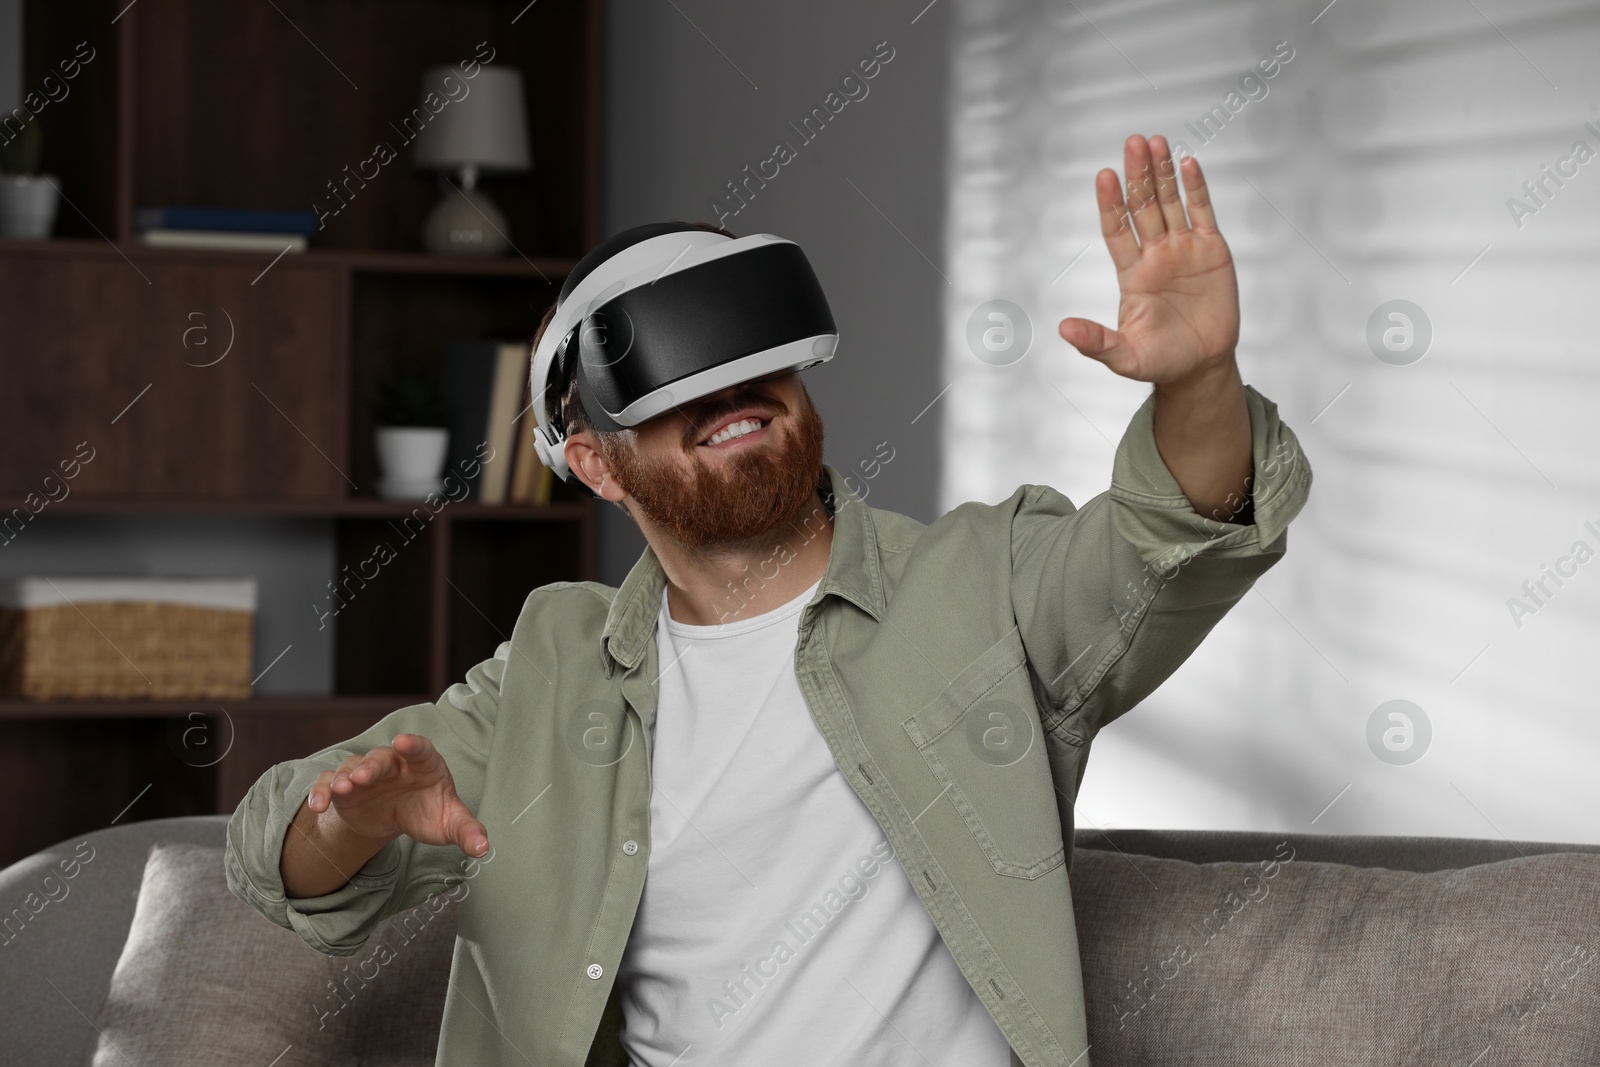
pixel 683 323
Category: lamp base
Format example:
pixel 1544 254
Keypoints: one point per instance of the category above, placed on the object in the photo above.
pixel 465 222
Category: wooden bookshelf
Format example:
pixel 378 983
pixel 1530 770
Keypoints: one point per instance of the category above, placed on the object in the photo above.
pixel 229 103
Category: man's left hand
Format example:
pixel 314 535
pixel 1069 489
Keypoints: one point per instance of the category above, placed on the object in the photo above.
pixel 1177 325
pixel 1179 314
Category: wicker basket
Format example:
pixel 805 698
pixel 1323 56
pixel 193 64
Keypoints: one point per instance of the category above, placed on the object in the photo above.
pixel 126 638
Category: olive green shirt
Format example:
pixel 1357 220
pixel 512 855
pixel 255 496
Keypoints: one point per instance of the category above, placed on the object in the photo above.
pixel 958 672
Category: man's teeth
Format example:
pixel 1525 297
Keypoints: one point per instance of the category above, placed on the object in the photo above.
pixel 735 429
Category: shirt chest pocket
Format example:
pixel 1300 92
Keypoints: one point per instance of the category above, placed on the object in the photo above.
pixel 981 739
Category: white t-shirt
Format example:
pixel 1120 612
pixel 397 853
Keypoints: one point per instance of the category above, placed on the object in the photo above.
pixel 776 926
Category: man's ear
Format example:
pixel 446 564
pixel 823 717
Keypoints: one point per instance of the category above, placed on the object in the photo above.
pixel 586 462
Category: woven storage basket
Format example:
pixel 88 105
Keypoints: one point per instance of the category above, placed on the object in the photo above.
pixel 126 638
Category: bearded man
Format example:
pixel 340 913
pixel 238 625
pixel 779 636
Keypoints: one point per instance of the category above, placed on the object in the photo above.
pixel 800 790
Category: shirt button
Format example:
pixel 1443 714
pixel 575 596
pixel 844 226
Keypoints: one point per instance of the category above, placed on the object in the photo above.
pixel 630 847
pixel 595 970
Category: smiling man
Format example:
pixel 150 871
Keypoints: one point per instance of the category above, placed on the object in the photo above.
pixel 823 817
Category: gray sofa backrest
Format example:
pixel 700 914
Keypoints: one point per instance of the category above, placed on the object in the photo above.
pixel 55 967
pixel 56 964
pixel 1394 852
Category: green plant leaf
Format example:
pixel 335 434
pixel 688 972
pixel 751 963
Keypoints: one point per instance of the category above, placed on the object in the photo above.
pixel 407 398
pixel 21 141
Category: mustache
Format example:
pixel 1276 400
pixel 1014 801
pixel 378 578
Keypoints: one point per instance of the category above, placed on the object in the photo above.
pixel 714 415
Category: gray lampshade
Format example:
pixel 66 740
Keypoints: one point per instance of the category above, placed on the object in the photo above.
pixel 483 121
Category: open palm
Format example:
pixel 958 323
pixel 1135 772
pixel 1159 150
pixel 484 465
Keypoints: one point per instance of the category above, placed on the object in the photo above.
pixel 1179 312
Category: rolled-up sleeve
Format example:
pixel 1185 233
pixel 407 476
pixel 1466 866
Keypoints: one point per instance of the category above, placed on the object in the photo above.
pixel 460 724
pixel 1112 597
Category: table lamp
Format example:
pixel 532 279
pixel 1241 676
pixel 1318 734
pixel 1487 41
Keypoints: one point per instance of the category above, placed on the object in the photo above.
pixel 478 127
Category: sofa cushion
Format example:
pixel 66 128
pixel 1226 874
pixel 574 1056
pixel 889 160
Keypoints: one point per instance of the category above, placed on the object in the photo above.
pixel 204 979
pixel 1288 961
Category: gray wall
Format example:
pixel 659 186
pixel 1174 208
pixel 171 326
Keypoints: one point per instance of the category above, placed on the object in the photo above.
pixel 697 90
pixel 10 54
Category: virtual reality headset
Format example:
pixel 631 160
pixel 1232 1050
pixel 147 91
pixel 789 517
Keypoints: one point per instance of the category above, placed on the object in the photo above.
pixel 665 314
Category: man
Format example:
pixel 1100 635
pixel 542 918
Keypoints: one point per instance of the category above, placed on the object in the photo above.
pixel 801 789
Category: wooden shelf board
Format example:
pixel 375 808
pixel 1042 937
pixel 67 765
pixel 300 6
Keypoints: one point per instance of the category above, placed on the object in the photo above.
pixel 356 508
pixel 310 706
pixel 512 264
pixel 369 261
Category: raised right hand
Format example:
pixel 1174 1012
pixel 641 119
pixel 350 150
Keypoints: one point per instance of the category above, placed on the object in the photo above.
pixel 403 788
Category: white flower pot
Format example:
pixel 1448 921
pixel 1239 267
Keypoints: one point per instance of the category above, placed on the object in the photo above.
pixel 27 205
pixel 411 461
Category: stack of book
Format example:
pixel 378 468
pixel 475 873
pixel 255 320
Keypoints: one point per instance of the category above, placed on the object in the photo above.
pixel 489 410
pixel 235 229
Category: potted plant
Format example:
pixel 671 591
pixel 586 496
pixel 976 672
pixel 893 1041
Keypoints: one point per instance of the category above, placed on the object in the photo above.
pixel 28 199
pixel 412 441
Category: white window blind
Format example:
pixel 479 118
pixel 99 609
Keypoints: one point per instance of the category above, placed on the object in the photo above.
pixel 1385 161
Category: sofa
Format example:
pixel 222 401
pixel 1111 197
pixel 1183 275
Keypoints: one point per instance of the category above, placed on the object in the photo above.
pixel 1198 947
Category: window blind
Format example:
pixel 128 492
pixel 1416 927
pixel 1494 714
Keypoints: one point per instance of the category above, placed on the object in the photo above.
pixel 1425 153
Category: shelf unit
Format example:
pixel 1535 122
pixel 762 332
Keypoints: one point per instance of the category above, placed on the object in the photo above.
pixel 211 382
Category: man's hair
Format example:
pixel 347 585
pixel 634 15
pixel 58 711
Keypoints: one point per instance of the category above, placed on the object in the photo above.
pixel 565 394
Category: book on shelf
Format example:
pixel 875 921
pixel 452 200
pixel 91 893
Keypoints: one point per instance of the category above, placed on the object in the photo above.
pixel 482 383
pixel 227 219
pixel 224 240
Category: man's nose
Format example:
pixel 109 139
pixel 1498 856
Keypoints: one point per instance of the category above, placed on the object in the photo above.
pixel 722 396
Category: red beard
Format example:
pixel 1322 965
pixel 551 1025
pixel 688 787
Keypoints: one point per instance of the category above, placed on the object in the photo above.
pixel 765 485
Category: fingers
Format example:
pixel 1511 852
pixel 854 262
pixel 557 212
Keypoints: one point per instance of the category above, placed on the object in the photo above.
pixel 1142 204
pixel 353 771
pixel 1194 184
pixel 1166 175
pixel 1093 340
pixel 317 796
pixel 469 835
pixel 363 770
pixel 332 783
pixel 415 749
pixel 1153 207
pixel 1114 226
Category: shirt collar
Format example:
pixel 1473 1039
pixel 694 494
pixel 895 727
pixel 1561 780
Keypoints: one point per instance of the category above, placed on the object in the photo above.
pixel 852 573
